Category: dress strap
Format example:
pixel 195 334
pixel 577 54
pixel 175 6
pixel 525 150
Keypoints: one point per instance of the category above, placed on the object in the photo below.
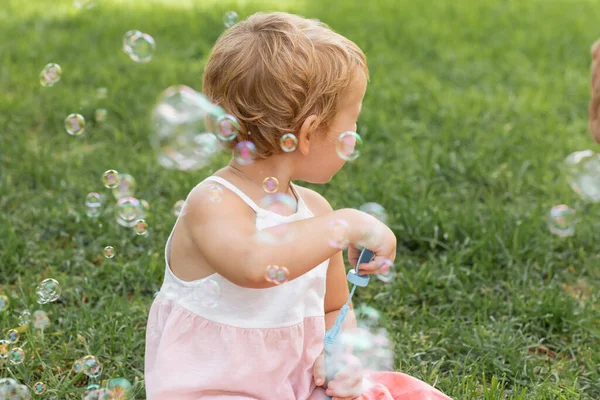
pixel 235 190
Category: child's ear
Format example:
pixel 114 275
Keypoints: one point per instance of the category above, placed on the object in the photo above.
pixel 306 134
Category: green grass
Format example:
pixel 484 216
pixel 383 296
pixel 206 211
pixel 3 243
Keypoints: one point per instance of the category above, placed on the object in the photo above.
pixel 471 107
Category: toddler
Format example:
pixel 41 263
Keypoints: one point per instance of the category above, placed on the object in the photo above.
pixel 278 74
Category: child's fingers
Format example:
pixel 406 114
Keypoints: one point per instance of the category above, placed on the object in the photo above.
pixel 319 371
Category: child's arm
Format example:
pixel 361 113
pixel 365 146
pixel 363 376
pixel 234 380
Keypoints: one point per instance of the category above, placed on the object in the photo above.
pixel 225 234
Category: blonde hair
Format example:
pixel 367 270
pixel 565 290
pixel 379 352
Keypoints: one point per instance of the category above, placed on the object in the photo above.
pixel 274 70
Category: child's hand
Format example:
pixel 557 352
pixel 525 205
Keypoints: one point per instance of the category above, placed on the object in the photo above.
pixel 380 240
pixel 594 110
pixel 348 384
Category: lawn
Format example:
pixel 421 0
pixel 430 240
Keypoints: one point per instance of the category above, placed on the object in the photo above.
pixel 471 108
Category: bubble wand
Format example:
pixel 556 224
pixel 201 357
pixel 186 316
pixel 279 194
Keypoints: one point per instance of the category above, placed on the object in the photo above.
pixel 332 335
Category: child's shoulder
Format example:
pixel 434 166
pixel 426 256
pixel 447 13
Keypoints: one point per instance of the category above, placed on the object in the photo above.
pixel 314 200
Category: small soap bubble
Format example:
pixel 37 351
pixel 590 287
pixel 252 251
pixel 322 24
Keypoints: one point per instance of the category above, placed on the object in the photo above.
pixel 227 127
pixel 208 292
pixel 24 318
pixel 185 127
pixel 99 394
pixel 84 4
pixel 120 388
pixel 282 276
pixel 288 142
pixel 271 273
pixel 127 39
pixel 279 203
pixel 109 252
pixel 339 234
pixel 348 146
pixel 40 319
pixel 12 336
pixel 16 356
pixel 270 184
pixel 141 47
pixel 371 347
pixel 582 170
pixel 78 366
pixel 101 93
pixel 100 114
pixel 75 124
pixel 376 210
pixel 93 200
pixel 386 270
pixel 48 290
pixel 111 179
pixel 4 348
pixel 230 19
pixel 4 302
pixel 141 227
pixel 367 317
pixel 125 187
pixel 50 75
pixel 215 193
pixel 93 212
pixel 178 207
pixel 128 208
pixel 562 220
pixel 91 366
pixel 244 152
pixel 39 388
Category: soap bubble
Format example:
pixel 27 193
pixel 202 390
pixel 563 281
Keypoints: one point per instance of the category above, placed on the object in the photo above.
pixel 270 184
pixel 141 47
pixel 110 179
pixel 283 205
pixel 230 19
pixel 368 317
pixel 24 318
pixel 91 366
pixel 227 127
pixel 288 142
pixel 78 366
pixel 127 39
pixel 348 146
pixel 125 187
pixel 40 319
pixel 208 292
pixel 100 114
pixel 582 170
pixel 13 336
pixel 4 302
pixel 339 234
pixel 84 4
pixel 10 389
pixel 50 75
pixel 244 152
pixel 93 200
pixel 109 252
pixel 48 290
pixel 16 356
pixel 99 394
pixel 128 209
pixel 75 124
pixel 277 275
pixel 215 193
pixel 386 270
pixel 119 387
pixel 178 207
pixel 39 388
pixel 4 348
pixel 372 347
pixel 101 93
pixel 182 118
pixel 562 220
pixel 376 210
pixel 93 212
pixel 141 227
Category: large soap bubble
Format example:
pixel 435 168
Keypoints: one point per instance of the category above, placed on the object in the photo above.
pixel 185 123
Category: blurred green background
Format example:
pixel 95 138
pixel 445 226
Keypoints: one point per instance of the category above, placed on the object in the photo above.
pixel 471 108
